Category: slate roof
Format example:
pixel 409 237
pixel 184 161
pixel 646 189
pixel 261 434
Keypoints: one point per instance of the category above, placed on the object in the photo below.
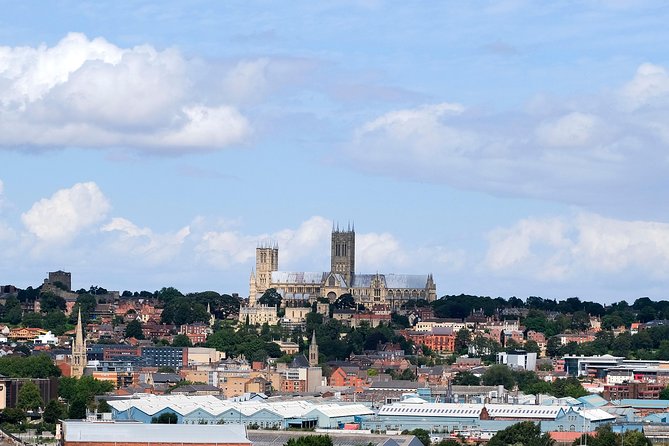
pixel 299 361
pixel 299 278
pixel 392 281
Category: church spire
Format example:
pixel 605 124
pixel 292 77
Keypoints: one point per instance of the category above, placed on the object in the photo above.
pixel 212 318
pixel 78 351
pixel 313 351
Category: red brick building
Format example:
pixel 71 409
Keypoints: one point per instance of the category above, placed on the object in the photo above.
pixel 440 339
pixel 348 377
pixel 633 390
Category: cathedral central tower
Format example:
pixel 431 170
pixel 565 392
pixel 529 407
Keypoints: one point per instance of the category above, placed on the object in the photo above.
pixel 342 255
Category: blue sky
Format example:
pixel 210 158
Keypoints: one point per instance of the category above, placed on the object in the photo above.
pixel 508 147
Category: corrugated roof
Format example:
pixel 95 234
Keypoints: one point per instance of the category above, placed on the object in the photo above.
pixel 596 414
pixel 593 400
pixel 187 404
pixel 343 410
pixel 471 410
pixel 651 404
pixel 82 431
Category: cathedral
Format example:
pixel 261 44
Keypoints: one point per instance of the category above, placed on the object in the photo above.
pixel 376 292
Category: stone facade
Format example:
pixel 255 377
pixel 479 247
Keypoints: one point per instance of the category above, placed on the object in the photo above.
pixel 259 314
pixel 377 291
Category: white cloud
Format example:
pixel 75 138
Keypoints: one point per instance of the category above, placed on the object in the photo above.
pixel 133 242
pixel 650 86
pixel 608 151
pixel 91 93
pixel 572 130
pixel 309 241
pixel 66 213
pixel 586 244
pixel 225 249
pixel 379 250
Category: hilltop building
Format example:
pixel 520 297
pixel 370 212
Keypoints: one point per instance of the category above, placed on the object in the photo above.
pixel 378 291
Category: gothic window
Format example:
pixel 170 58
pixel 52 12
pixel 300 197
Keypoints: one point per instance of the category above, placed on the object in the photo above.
pixel 331 281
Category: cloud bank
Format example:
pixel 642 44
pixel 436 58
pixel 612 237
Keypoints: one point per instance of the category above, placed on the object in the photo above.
pixel 89 93
pixel 609 149
pixel 75 228
pixel 580 246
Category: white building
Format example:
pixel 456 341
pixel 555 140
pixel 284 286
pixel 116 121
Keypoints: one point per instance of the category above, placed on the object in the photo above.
pixel 47 338
pixel 518 359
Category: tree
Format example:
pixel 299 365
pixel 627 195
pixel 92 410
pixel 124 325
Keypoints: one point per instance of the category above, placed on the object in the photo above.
pixel 86 303
pixel 553 347
pixel 49 301
pixel 181 340
pixel 525 433
pixel 55 321
pixel 13 415
pixel 104 407
pixel 36 366
pixel 498 374
pixel 462 340
pixel 271 298
pixel 84 388
pixel 165 418
pixel 77 409
pixel 134 330
pixel 580 320
pixel 532 347
pixel 422 435
pixel 466 378
pixel 168 293
pixel 32 320
pixel 54 411
pixel 606 437
pixel 29 397
pixel 310 440
pixel 345 301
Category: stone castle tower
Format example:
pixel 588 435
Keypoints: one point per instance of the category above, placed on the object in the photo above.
pixel 267 260
pixel 313 351
pixel 342 256
pixel 78 351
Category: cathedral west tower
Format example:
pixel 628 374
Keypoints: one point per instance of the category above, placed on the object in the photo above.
pixel 267 261
pixel 342 255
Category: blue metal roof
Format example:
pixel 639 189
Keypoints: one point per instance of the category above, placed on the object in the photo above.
pixel 649 404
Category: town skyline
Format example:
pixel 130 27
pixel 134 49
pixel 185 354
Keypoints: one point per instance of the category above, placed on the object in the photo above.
pixel 508 148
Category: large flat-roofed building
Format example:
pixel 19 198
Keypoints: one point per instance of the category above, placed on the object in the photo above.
pixel 593 366
pixel 372 290
pixel 85 433
pixel 203 410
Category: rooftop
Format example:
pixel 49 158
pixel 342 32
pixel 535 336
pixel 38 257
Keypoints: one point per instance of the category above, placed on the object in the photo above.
pixel 91 432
